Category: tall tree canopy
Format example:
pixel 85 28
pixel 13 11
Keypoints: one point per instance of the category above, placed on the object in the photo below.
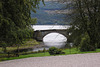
pixel 15 20
pixel 87 22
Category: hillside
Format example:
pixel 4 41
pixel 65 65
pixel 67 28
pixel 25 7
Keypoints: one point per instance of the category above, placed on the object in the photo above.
pixel 51 13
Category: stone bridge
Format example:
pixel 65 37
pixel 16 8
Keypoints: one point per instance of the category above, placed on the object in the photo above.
pixel 42 30
pixel 39 34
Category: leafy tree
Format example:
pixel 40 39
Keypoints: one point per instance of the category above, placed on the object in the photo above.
pixel 87 20
pixel 15 20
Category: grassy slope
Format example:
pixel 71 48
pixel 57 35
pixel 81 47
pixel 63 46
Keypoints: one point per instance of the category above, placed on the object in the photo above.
pixel 67 52
pixel 26 44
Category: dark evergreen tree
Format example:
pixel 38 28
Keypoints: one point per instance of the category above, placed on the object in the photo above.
pixel 87 20
pixel 15 20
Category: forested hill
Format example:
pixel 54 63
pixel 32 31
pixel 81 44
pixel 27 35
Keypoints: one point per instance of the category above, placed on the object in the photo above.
pixel 49 14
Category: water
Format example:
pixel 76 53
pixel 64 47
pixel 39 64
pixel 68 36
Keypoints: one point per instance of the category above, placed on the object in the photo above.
pixel 42 48
pixel 51 13
pixel 51 16
pixel 55 40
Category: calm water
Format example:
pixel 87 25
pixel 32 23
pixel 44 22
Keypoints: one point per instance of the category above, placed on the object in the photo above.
pixel 55 40
pixel 50 17
pixel 52 39
pixel 49 14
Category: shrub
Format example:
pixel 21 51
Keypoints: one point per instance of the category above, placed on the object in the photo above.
pixel 85 44
pixel 44 50
pixel 54 51
pixel 39 51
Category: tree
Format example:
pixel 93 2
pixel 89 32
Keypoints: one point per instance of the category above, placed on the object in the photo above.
pixel 15 20
pixel 87 20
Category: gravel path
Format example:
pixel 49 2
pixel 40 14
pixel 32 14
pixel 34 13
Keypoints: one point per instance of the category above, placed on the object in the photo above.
pixel 77 60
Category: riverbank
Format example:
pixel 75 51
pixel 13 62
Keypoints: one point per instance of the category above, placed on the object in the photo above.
pixel 24 48
pixel 29 43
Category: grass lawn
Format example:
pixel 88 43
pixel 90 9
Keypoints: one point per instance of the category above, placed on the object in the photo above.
pixel 67 52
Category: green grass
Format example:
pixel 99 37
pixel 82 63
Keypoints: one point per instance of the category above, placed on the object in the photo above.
pixel 26 44
pixel 26 56
pixel 67 52
pixel 75 51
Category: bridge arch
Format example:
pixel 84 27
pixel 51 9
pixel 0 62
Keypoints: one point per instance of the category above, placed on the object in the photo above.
pixel 53 32
pixel 40 34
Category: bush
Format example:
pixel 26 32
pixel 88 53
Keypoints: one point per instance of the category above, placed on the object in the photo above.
pixel 85 44
pixel 55 51
pixel 39 51
pixel 44 50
